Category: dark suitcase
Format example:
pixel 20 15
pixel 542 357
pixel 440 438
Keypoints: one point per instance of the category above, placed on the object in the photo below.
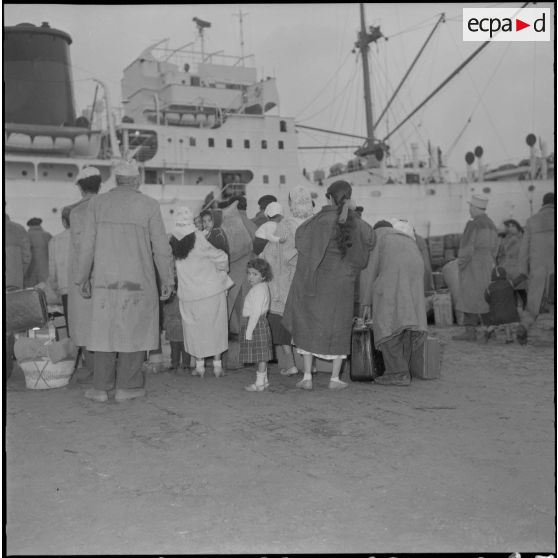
pixel 426 363
pixel 366 362
pixel 25 309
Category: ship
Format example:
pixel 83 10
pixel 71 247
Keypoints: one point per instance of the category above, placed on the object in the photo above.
pixel 204 127
pixel 424 191
pixel 199 124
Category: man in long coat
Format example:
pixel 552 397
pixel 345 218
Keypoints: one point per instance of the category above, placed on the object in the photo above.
pixel 393 284
pixel 79 309
pixel 124 246
pixel 17 253
pixel 37 272
pixel 476 258
pixel 537 261
pixel 240 239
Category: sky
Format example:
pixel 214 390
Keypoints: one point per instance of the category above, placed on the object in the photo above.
pixel 501 96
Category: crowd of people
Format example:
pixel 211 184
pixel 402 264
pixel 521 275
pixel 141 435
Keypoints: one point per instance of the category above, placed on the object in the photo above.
pixel 290 280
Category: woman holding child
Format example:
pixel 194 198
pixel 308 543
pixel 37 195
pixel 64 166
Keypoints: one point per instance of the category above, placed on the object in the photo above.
pixel 202 290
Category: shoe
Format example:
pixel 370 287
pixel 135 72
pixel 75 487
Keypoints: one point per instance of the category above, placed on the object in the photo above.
pixel 521 335
pixel 96 395
pixel 256 387
pixel 337 384
pixel 198 372
pixel 304 384
pixel 218 370
pixel 125 394
pixel 289 371
pixel 393 380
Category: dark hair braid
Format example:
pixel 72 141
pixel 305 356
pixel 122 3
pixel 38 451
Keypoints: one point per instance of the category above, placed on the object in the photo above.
pixel 343 233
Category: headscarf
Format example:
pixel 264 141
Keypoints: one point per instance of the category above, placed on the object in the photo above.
pixel 300 203
pixel 183 222
pixel 402 225
pixel 273 209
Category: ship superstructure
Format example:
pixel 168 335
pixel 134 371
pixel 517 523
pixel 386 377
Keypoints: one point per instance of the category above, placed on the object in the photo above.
pixel 198 123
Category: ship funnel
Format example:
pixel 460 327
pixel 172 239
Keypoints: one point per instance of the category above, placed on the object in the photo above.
pixel 37 76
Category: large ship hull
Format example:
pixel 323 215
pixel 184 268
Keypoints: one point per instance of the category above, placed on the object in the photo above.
pixel 442 208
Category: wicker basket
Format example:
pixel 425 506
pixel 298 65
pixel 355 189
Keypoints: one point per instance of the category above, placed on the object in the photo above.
pixel 43 374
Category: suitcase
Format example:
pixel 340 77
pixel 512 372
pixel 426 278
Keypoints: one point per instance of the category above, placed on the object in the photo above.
pixel 366 362
pixel 426 363
pixel 26 309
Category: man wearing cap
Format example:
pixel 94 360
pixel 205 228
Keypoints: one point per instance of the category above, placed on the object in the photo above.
pixel 37 271
pixel 266 231
pixel 476 258
pixel 537 263
pixel 88 182
pixel 125 249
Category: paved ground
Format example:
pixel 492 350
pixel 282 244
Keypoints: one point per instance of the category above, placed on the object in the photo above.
pixel 461 464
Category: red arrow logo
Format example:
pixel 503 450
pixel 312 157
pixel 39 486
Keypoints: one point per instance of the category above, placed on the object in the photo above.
pixel 519 25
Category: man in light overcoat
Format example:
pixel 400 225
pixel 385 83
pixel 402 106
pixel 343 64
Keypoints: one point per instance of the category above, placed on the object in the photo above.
pixel 536 262
pixel 476 258
pixel 125 254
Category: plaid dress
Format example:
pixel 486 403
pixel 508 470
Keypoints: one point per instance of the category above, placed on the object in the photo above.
pixel 260 348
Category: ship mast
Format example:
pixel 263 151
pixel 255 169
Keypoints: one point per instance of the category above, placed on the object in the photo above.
pixel 364 39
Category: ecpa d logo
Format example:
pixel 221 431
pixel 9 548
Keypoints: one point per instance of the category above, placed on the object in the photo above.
pixel 506 24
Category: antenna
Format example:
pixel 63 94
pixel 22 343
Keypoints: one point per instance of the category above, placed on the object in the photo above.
pixel 201 24
pixel 240 21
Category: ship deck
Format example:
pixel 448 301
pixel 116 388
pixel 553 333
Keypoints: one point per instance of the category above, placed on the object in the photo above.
pixel 465 463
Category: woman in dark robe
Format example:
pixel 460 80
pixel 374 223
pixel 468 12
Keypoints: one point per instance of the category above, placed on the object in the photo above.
pixel 333 246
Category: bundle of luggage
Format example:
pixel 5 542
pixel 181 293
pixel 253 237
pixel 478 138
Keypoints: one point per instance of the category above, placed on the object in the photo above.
pixel 367 363
pixel 46 361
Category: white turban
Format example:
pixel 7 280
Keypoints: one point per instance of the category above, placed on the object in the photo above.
pixel 126 168
pixel 87 172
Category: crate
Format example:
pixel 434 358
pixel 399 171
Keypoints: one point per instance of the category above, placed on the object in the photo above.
pixel 451 241
pixel 443 311
pixel 436 246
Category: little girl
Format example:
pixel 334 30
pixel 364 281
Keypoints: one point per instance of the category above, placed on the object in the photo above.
pixel 255 334
pixel 500 296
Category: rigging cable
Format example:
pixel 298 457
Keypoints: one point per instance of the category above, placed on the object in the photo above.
pixel 321 91
pixel 404 78
pixel 479 101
